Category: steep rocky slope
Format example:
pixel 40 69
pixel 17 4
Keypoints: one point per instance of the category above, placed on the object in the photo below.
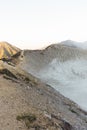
pixel 61 66
pixel 27 103
pixel 7 50
pixel 30 103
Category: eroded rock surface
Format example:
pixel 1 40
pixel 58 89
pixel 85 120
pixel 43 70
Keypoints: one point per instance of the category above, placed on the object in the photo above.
pixel 27 103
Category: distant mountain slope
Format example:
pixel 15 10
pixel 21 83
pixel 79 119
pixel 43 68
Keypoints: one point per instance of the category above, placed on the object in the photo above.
pixel 7 50
pixel 61 66
pixel 38 59
pixel 75 44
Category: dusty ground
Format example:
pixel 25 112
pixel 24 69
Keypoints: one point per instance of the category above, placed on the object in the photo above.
pixel 26 103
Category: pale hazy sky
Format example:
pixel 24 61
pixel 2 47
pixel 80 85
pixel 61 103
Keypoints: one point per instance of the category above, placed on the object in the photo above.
pixel 36 23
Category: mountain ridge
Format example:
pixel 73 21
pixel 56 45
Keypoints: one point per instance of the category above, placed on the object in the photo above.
pixel 7 50
pixel 60 66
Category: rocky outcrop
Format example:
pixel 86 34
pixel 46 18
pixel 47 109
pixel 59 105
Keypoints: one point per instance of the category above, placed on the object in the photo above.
pixel 7 50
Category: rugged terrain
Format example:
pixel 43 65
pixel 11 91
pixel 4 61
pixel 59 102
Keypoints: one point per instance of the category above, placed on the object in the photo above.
pixel 7 50
pixel 61 66
pixel 28 103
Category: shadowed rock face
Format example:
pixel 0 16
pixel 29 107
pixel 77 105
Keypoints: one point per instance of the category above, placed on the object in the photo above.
pixel 7 50
pixel 8 73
